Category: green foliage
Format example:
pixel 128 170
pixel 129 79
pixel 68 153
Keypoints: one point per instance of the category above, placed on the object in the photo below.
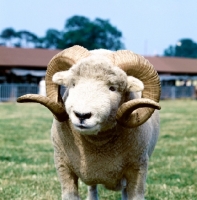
pixel 7 35
pixel 25 37
pixel 26 155
pixel 184 48
pixel 91 34
pixel 52 39
pixel 78 30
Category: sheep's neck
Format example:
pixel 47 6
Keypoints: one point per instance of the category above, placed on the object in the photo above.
pixel 102 138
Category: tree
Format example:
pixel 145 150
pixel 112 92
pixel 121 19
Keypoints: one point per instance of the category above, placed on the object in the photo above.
pixel 52 39
pixel 7 35
pixel 26 37
pixel 78 30
pixel 90 34
pixel 184 48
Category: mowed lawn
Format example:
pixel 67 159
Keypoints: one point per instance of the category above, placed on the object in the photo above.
pixel 27 169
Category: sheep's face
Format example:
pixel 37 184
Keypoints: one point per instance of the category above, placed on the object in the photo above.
pixel 95 90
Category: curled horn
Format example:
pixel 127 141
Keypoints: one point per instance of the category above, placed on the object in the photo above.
pixel 135 112
pixel 60 62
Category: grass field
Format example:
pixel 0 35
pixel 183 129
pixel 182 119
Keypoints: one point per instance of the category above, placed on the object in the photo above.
pixel 27 170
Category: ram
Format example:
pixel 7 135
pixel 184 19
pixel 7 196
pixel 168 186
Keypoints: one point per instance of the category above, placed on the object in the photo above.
pixel 105 127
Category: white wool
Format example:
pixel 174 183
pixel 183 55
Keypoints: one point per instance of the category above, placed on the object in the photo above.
pixel 100 52
pixel 91 80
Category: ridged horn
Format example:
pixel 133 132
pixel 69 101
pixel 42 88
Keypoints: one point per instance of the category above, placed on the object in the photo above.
pixel 57 109
pixel 136 112
pixel 60 62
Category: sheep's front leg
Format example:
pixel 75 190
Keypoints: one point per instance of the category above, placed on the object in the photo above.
pixel 68 180
pixel 92 193
pixel 136 180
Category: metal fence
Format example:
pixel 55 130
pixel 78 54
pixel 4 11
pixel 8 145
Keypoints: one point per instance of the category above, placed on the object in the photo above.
pixel 10 92
pixel 178 92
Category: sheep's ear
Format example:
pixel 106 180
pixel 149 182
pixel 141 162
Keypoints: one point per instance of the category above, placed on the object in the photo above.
pixel 134 84
pixel 61 78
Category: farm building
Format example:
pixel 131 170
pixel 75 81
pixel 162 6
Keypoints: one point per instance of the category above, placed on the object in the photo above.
pixel 19 66
pixel 175 71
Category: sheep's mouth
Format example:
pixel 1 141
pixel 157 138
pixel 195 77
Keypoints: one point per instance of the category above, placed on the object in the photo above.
pixel 82 127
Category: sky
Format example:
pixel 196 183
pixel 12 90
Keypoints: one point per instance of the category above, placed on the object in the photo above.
pixel 148 26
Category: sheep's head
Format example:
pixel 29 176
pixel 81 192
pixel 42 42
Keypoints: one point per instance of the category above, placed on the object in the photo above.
pixel 95 89
pixel 97 82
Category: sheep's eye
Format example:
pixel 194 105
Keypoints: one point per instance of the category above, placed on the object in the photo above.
pixel 112 88
pixel 73 84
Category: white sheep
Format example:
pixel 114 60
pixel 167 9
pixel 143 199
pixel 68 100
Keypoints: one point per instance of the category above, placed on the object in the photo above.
pixel 105 127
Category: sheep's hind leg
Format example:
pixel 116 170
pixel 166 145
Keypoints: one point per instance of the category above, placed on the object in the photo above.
pixel 124 194
pixel 92 193
pixel 124 191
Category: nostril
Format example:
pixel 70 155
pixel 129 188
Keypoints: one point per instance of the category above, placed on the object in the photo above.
pixel 82 116
pixel 79 115
pixel 87 115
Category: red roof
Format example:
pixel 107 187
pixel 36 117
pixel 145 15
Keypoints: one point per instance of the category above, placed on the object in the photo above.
pixel 20 57
pixel 174 65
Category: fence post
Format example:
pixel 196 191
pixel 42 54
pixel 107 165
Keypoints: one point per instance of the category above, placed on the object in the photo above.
pixel 173 92
pixel 16 92
pixel 0 94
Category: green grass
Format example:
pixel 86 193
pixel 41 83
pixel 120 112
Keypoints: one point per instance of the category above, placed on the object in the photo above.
pixel 27 169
